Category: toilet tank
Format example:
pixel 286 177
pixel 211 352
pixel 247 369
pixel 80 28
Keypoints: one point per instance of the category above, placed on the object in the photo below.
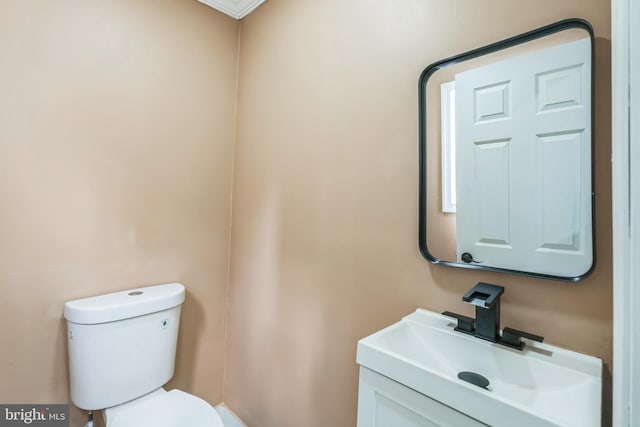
pixel 122 345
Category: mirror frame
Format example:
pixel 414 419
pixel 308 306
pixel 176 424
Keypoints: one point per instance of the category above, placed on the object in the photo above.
pixel 556 27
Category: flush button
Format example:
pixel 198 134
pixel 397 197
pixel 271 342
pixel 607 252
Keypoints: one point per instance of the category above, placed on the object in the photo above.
pixel 135 293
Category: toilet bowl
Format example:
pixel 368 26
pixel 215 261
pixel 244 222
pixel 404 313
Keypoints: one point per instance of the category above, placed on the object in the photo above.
pixel 163 408
pixel 122 349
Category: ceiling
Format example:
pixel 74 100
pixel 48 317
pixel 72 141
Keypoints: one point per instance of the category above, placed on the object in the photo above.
pixel 237 9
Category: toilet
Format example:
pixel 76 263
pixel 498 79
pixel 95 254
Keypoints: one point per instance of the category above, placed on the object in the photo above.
pixel 122 349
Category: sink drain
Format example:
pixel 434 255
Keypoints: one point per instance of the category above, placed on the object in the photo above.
pixel 475 379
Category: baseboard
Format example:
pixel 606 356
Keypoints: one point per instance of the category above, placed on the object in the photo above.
pixel 229 419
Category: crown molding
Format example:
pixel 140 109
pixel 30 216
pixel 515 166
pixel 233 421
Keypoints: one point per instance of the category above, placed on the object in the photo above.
pixel 237 9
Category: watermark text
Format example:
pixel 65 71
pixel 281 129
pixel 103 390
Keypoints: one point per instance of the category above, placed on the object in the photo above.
pixel 34 415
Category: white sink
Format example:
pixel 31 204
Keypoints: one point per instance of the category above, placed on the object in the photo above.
pixel 542 385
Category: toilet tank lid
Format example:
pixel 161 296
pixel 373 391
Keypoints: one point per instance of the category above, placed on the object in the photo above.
pixel 124 304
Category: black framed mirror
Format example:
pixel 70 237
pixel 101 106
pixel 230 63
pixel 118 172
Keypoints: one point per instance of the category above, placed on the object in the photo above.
pixel 505 155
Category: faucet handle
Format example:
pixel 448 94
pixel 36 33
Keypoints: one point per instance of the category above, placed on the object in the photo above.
pixel 512 338
pixel 466 324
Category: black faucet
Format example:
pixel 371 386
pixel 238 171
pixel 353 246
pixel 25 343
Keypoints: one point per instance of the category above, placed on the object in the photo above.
pixel 486 298
pixel 486 325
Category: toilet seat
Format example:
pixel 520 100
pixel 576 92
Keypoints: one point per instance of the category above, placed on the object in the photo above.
pixel 174 408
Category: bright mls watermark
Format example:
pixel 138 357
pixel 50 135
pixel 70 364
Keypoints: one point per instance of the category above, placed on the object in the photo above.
pixel 34 415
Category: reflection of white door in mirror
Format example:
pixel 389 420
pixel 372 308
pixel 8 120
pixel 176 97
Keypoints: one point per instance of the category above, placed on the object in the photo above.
pixel 531 114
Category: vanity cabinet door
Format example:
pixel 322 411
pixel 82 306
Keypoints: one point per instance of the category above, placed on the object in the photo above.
pixel 385 403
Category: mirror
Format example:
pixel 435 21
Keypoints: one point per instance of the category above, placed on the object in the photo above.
pixel 505 155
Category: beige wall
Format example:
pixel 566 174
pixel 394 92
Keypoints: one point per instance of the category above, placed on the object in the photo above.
pixel 324 239
pixel 116 146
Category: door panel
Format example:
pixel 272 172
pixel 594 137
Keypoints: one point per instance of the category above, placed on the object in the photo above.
pixel 492 197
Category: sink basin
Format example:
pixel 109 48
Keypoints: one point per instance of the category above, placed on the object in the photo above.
pixel 542 385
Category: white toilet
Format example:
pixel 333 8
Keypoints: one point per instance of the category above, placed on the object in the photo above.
pixel 122 349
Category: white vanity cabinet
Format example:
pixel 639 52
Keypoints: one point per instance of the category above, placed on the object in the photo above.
pixel 383 402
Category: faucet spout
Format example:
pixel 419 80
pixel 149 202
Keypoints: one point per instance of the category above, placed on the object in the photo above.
pixel 486 298
pixel 484 295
